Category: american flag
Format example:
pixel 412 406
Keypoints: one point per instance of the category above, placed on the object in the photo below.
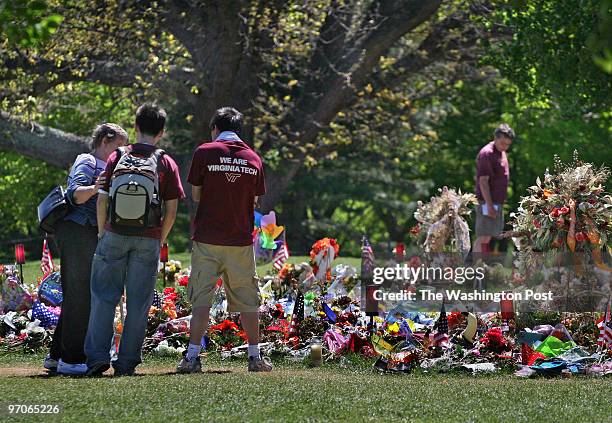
pixel 367 257
pixel 441 327
pixel 46 262
pixel 281 256
pixel 605 329
pixel 157 300
pixel 297 315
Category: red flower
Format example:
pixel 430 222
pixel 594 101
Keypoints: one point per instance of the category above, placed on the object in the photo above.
pixel 184 281
pixel 454 319
pixel 580 236
pixel 564 210
pixel 537 224
pixel 555 212
pixel 494 340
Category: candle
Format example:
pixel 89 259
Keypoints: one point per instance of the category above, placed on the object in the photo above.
pixel 163 253
pixel 19 254
pixel 316 354
pixel 507 308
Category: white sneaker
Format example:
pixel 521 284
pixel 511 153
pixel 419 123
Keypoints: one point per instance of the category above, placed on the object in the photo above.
pixel 71 369
pixel 50 363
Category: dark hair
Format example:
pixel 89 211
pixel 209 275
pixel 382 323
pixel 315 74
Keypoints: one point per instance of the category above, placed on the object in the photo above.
pixel 150 119
pixel 106 130
pixel 504 130
pixel 227 119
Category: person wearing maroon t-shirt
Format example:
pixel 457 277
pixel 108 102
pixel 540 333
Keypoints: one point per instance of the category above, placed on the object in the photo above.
pixel 492 177
pixel 227 177
pixel 129 261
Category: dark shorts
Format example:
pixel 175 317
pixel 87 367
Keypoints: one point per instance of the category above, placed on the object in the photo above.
pixel 486 226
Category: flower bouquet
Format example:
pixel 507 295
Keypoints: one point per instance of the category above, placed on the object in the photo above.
pixel 568 211
pixel 226 335
pixel 442 221
pixel 322 254
pixel 291 278
pixel 170 270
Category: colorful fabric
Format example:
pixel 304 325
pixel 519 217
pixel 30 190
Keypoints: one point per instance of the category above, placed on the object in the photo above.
pixel 41 312
pixel 552 347
pixel 15 296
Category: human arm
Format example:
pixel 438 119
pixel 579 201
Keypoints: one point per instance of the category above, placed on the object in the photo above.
pixel 170 208
pixel 485 190
pixel 196 193
pixel 101 212
pixel 84 192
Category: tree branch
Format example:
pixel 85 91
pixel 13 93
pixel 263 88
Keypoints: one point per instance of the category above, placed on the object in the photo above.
pixel 50 145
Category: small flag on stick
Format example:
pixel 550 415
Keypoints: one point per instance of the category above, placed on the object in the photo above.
pixel 367 258
pixel 281 256
pixel 441 327
pixel 46 262
pixel 605 329
pixel 297 315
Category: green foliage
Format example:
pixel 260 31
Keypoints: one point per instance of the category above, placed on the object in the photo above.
pixel 27 22
pixel 24 183
pixel 601 39
pixel 549 58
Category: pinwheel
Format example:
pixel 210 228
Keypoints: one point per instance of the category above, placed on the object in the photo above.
pixel 269 230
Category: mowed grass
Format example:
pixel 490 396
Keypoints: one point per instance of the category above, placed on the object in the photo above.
pixel 294 392
pixel 31 270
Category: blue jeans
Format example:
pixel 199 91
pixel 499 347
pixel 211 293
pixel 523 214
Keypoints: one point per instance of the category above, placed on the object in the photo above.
pixel 121 261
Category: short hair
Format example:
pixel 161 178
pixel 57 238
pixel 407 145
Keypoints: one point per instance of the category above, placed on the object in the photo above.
pixel 504 130
pixel 227 119
pixel 150 119
pixel 106 130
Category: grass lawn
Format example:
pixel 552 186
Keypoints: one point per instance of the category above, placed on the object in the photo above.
pixel 31 270
pixel 350 392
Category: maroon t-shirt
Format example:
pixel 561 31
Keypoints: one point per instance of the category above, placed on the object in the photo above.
pixel 493 163
pixel 170 187
pixel 231 176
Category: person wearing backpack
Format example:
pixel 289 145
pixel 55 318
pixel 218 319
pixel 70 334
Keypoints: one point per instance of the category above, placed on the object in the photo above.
pixel 136 210
pixel 227 177
pixel 76 237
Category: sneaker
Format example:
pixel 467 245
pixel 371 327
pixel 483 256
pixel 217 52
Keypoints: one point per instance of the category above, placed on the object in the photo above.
pixel 97 369
pixel 260 364
pixel 71 369
pixel 50 363
pixel 189 366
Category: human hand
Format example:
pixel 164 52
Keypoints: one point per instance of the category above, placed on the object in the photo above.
pixel 100 181
pixel 491 212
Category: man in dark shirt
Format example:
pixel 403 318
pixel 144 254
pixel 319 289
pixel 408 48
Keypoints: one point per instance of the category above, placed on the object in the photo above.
pixel 227 177
pixel 129 260
pixel 492 176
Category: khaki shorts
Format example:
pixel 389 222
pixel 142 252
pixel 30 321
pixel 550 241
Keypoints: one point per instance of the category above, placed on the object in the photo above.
pixel 236 265
pixel 487 226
